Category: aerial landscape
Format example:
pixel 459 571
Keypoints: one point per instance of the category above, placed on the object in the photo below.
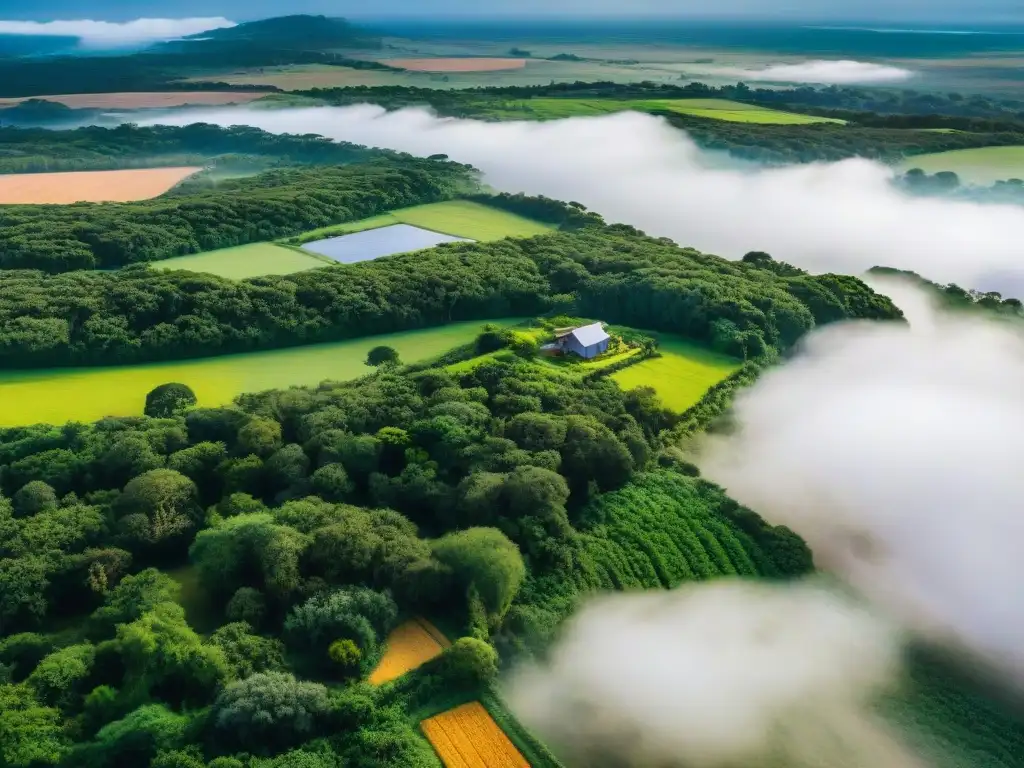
pixel 538 384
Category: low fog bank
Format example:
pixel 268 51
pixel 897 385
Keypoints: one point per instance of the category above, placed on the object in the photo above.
pixel 820 72
pixel 894 450
pixel 723 675
pixel 99 34
pixel 633 168
pixel 895 453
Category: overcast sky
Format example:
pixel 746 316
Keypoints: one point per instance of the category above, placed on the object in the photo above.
pixel 891 10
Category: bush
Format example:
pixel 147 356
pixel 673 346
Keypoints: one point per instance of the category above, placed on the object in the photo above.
pixel 381 355
pixel 346 657
pixel 168 400
pixel 352 613
pixel 468 662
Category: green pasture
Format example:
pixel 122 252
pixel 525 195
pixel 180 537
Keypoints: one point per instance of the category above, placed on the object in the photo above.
pixel 984 165
pixel 60 395
pixel 244 261
pixel 459 218
pixel 682 374
pixel 717 109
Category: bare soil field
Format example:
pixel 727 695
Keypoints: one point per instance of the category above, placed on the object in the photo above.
pixel 147 100
pixel 456 65
pixel 89 186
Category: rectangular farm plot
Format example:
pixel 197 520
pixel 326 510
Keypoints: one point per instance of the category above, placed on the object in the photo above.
pixel 89 186
pixel 59 395
pixel 413 643
pixel 468 737
pixel 245 261
pixel 682 374
pixel 383 241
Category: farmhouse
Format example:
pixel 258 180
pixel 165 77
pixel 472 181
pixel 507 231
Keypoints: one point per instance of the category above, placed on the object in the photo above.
pixel 587 341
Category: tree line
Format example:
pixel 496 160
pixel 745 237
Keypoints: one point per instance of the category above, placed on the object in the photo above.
pixel 617 273
pixel 211 215
pixel 37 150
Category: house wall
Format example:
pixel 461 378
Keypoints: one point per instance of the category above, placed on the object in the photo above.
pixel 593 350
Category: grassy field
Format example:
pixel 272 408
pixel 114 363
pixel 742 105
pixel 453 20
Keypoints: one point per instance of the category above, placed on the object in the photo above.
pixel 985 165
pixel 717 109
pixel 682 374
pixel 461 218
pixel 244 261
pixel 85 394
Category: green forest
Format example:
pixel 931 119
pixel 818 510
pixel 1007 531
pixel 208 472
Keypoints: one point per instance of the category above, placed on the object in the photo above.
pixel 744 308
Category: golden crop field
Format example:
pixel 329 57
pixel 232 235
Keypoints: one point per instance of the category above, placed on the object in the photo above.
pixel 411 644
pixel 468 737
pixel 89 186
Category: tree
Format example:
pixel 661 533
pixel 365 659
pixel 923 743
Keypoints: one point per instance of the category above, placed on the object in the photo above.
pixel 23 584
pixel 34 497
pixel 287 468
pixel 163 654
pixel 248 605
pixel 248 653
pixel 30 733
pixel 135 596
pixel 486 559
pixel 331 482
pixel 137 737
pixel 345 656
pixel 259 437
pixel 381 355
pixel 158 507
pixel 269 711
pixel 58 678
pixel 468 662
pixel 168 400
pixel 350 613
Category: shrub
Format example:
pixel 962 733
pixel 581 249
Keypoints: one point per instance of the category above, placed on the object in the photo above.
pixel 381 355
pixel 346 657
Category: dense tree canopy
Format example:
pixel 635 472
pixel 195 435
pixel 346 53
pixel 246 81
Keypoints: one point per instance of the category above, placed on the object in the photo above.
pixel 613 272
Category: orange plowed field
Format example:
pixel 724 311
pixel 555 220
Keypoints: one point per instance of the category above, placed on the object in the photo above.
pixel 147 100
pixel 89 186
pixel 468 737
pixel 411 644
pixel 456 65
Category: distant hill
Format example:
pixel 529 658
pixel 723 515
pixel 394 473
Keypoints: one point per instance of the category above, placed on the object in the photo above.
pixel 292 32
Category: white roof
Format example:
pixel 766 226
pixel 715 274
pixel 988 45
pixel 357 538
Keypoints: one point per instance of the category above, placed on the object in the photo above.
pixel 589 335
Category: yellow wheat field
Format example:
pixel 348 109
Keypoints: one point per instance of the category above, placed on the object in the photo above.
pixel 468 737
pixel 411 644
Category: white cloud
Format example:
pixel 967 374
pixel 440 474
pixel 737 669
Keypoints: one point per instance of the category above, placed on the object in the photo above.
pixel 106 33
pixel 820 72
pixel 728 673
pixel 894 452
pixel 633 168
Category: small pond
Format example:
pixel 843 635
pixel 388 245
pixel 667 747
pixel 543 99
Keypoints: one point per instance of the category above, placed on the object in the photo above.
pixel 374 243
